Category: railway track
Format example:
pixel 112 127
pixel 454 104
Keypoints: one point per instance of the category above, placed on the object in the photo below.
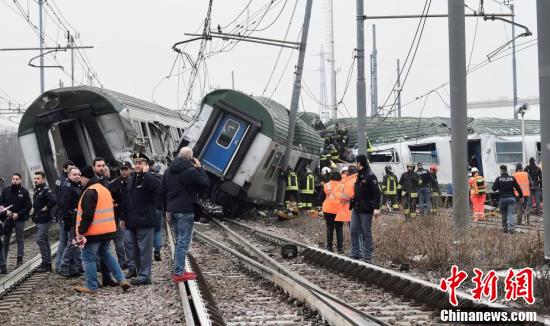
pixel 309 304
pixel 410 294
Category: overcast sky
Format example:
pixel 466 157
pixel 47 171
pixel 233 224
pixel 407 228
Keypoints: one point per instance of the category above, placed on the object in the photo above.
pixel 133 54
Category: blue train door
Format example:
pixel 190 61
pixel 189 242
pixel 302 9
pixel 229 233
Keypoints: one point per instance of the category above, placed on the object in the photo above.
pixel 224 142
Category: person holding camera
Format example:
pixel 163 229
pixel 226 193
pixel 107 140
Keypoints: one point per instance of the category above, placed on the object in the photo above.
pixel 43 204
pixel 181 184
pixel 17 198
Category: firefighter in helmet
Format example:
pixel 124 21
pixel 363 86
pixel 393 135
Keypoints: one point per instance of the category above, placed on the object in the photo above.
pixel 408 186
pixel 389 188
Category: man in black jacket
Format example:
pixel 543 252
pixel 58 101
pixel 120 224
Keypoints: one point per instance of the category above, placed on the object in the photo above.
pixel 123 241
pixel 70 263
pixel 181 183
pixel 59 183
pixel 140 217
pixel 535 173
pixel 43 204
pixel 19 199
pixel 505 185
pixel 366 204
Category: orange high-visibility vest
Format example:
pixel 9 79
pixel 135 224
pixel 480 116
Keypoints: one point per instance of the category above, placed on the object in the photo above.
pixel 523 180
pixel 346 194
pixel 332 201
pixel 104 215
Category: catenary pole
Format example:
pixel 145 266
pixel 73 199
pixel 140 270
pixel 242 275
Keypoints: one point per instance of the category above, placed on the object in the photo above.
pixel 41 36
pixel 459 137
pixel 543 28
pixel 361 88
pixel 295 101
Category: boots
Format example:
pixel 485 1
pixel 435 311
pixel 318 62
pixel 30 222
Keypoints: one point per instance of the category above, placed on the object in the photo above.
pixel 44 268
pixel 83 289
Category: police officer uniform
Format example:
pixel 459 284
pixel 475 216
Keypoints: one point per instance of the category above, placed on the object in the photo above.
pixel 18 197
pixel 70 263
pixel 43 204
pixel 123 246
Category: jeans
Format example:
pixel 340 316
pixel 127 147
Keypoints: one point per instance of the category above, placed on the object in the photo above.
pixel 425 200
pixel 331 226
pixel 62 243
pixel 43 242
pixel 183 226
pixel 142 240
pixel 361 235
pixel 90 254
pixel 537 193
pixel 506 206
pixel 19 237
pixel 157 241
pixel 70 257
pixel 129 248
pixel 119 247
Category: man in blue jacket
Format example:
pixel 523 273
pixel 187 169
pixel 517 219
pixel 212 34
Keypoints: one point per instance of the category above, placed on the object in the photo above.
pixel 139 217
pixel 181 183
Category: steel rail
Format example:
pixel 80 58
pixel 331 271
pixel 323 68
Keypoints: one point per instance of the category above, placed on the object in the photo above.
pixel 22 272
pixel 335 310
pixel 194 309
pixel 402 284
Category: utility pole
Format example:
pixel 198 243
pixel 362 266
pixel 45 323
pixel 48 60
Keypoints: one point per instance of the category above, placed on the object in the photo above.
pixel 70 45
pixel 41 36
pixel 361 88
pixel 543 27
pixel 398 90
pixel 514 71
pixel 459 137
pixel 295 101
pixel 374 74
pixel 332 59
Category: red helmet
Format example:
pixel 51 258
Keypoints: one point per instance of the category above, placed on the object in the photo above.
pixel 433 168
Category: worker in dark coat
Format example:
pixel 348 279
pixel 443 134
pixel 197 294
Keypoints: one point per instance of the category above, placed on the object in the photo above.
pixel 123 243
pixel 408 187
pixel 43 204
pixel 17 198
pixel 140 216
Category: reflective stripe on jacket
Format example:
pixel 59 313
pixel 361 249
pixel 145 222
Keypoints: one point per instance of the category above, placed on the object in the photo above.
pixel 523 180
pixel 292 181
pixel 309 186
pixel 332 199
pixel 346 193
pixel 104 215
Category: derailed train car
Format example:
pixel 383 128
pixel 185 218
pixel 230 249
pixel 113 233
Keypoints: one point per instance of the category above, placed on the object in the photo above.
pixel 241 141
pixel 80 123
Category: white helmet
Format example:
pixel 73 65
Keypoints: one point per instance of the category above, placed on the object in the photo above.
pixel 325 170
pixel 474 170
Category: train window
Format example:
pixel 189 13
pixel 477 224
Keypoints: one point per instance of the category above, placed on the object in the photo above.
pixel 509 152
pixel 156 135
pixel 539 152
pixel 279 167
pixel 425 153
pixel 384 156
pixel 229 130
pixel 273 166
pixel 143 136
pixel 266 164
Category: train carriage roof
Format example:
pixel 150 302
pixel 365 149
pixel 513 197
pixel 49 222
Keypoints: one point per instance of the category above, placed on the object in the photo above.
pixel 101 100
pixel 390 129
pixel 274 118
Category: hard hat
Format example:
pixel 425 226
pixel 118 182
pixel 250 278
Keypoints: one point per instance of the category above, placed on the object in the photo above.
pixel 410 165
pixel 387 168
pixel 345 168
pixel 474 170
pixel 434 168
pixel 325 170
